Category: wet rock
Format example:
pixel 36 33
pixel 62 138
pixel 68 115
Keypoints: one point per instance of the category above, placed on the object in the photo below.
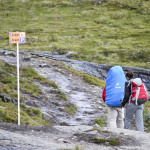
pixel 12 54
pixel 26 59
pixel 97 2
pixel 44 66
pixel 100 107
pixel 78 119
pixel 45 116
pixel 2 53
pixel 33 104
pixel 63 124
pixel 6 99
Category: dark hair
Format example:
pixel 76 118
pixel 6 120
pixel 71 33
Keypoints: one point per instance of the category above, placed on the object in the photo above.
pixel 130 75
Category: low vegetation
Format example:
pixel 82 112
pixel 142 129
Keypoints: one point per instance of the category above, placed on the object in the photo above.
pixel 146 115
pixel 28 116
pixel 109 142
pixel 70 109
pixel 77 147
pixel 8 87
pixel 28 78
pixel 62 95
pixel 114 32
pixel 90 79
pixel 101 121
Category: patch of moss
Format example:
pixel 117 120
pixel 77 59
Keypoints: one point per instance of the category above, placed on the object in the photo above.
pixel 8 67
pixel 70 109
pixel 31 89
pixel 28 72
pixel 47 82
pixel 146 116
pixel 114 142
pixel 99 140
pixel 101 121
pixel 94 80
pixel 77 147
pixel 61 95
pixel 109 142
pixel 90 79
pixel 28 116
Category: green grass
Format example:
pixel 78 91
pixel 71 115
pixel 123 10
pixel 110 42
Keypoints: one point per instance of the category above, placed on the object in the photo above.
pixel 101 121
pixel 115 32
pixel 88 78
pixel 70 109
pixel 28 116
pixel 28 77
pixel 78 148
pixel 93 80
pixel 146 116
pixel 109 142
pixel 61 95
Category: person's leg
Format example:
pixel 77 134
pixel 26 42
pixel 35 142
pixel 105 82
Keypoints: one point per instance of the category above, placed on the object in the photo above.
pixel 112 115
pixel 120 118
pixel 130 110
pixel 139 118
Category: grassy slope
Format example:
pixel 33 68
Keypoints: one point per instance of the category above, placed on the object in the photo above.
pixel 28 116
pixel 111 33
pixel 8 82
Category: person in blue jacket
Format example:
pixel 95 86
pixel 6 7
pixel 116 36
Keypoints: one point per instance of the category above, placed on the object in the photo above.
pixel 112 96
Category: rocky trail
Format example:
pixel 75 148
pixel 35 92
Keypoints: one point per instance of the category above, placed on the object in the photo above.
pixel 82 137
pixel 78 131
pixel 86 97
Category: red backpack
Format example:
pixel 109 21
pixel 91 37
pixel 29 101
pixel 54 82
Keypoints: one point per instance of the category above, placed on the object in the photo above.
pixel 138 92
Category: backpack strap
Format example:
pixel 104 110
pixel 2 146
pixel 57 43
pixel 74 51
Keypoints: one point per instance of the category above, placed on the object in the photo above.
pixel 131 91
pixel 137 95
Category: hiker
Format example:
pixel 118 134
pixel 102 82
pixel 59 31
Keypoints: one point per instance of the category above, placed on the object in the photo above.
pixel 134 102
pixel 112 96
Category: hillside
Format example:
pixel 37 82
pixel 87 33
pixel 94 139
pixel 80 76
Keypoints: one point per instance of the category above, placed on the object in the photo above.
pixel 51 93
pixel 107 31
pixel 61 103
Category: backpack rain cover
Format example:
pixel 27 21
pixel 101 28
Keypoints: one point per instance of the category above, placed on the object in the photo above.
pixel 115 82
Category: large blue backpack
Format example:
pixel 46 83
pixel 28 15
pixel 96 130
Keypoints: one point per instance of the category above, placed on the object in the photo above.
pixel 115 82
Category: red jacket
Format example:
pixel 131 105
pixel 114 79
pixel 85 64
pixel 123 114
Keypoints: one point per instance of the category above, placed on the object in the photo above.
pixel 104 94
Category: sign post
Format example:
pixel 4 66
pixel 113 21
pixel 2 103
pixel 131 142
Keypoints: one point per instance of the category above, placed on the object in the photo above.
pixel 17 37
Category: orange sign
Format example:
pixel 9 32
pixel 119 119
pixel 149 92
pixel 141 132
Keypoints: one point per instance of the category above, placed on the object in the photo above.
pixel 17 37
